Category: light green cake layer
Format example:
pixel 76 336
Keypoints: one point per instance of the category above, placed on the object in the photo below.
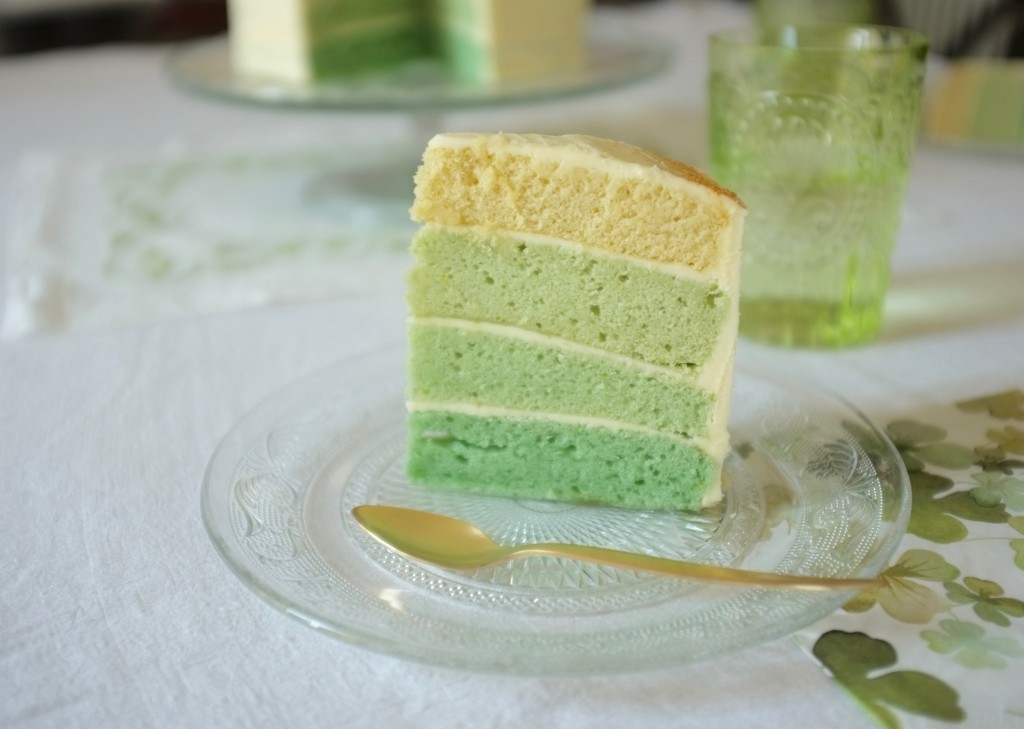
pixel 541 459
pixel 452 364
pixel 607 302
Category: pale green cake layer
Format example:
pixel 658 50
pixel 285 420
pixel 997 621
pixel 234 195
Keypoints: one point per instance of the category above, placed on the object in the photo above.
pixel 603 301
pixel 454 363
pixel 542 459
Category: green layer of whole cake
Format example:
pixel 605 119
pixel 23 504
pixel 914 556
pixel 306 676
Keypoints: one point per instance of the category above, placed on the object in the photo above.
pixel 349 37
pixel 335 56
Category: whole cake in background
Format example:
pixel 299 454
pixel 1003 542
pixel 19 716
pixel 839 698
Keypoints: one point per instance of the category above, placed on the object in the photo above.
pixel 573 315
pixel 306 41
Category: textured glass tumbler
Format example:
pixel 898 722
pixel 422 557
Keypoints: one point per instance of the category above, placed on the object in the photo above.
pixel 814 128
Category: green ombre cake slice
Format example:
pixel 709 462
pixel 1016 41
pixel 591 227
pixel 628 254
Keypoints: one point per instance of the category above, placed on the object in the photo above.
pixel 574 307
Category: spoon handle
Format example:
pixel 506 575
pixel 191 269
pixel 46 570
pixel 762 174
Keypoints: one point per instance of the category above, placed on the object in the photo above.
pixel 691 570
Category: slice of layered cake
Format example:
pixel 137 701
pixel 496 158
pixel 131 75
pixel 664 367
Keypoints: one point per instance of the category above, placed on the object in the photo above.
pixel 573 322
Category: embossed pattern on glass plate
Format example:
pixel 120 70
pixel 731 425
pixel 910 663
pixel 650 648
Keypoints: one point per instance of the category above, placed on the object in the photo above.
pixel 812 488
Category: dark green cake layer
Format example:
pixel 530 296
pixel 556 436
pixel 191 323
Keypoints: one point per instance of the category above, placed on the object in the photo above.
pixel 544 459
pixel 393 32
pixel 334 57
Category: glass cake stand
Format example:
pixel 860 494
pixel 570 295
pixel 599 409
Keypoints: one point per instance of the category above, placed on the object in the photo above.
pixel 377 187
pixel 616 57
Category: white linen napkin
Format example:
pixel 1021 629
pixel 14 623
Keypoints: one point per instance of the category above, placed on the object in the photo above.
pixel 99 240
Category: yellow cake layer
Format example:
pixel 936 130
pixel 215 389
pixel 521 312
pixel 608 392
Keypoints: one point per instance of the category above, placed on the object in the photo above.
pixel 608 194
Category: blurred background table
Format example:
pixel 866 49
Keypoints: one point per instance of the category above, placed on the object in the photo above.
pixel 123 363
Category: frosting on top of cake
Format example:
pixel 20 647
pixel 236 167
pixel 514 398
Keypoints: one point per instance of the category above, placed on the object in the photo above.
pixel 603 194
pixel 618 156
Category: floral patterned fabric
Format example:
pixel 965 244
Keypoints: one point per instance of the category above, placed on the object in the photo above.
pixel 943 638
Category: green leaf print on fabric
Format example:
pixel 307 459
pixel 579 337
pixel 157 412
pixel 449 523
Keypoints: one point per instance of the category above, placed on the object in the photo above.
pixel 1005 405
pixel 987 599
pixel 969 646
pixel 1017 545
pixel 1010 439
pixel 937 518
pixel 851 657
pixel 901 597
pixel 963 595
pixel 992 459
pixel 918 444
pixel 998 488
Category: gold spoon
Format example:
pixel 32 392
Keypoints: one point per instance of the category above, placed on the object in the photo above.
pixel 448 542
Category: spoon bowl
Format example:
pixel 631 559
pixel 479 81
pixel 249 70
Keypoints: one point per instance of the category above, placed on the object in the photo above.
pixel 454 544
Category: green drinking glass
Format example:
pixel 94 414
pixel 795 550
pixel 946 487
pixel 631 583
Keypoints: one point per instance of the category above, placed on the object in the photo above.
pixel 814 128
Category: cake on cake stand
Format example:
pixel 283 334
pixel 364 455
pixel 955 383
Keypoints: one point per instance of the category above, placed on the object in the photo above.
pixel 378 194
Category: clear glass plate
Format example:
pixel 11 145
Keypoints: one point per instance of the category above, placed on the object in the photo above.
pixel 616 56
pixel 812 487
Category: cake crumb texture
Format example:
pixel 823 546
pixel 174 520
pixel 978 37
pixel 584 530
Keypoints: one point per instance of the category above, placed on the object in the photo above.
pixel 626 202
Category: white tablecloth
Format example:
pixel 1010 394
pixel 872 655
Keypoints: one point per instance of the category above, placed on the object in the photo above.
pixel 116 611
